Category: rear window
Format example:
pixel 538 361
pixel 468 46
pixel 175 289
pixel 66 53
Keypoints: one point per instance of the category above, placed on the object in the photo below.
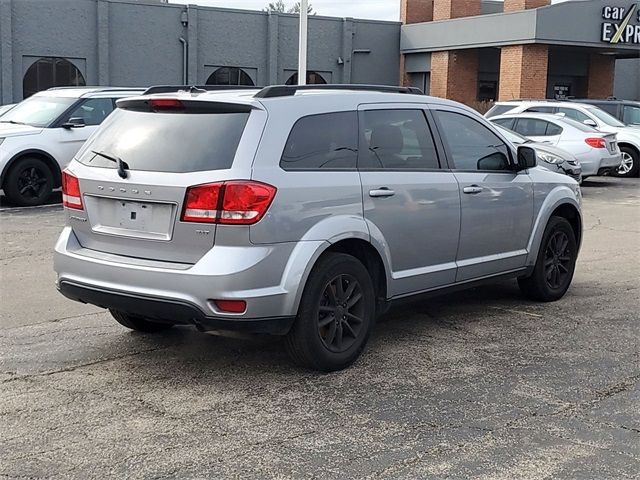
pixel 166 142
pixel 499 110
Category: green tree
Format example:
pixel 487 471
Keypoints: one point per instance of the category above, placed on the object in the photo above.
pixel 280 7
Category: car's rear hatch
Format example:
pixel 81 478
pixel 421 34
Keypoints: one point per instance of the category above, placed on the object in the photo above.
pixel 134 175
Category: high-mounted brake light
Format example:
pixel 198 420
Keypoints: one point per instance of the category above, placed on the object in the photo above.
pixel 165 104
pixel 236 202
pixel 71 195
pixel 596 142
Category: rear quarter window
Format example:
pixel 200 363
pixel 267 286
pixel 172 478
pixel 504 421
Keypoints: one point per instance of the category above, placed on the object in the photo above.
pixel 167 142
pixel 328 141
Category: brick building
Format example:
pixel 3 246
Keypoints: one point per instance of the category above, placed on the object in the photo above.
pixel 470 50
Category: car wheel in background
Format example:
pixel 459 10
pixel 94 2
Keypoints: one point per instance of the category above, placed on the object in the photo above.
pixel 29 182
pixel 336 315
pixel 629 165
pixel 555 264
pixel 137 323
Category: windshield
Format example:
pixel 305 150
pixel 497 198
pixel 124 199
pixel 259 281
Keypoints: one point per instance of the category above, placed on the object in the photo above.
pixel 165 142
pixel 512 136
pixel 498 110
pixel 37 111
pixel 605 117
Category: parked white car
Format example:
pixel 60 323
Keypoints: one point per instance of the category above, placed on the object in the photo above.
pixel 628 136
pixel 597 152
pixel 5 108
pixel 40 136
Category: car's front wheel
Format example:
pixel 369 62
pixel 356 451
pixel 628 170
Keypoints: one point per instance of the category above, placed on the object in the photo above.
pixel 629 166
pixel 555 264
pixel 29 182
pixel 336 315
pixel 137 323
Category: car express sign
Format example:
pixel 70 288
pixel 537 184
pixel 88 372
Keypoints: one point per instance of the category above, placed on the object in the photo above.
pixel 621 25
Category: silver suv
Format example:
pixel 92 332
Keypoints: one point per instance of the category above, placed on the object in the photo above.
pixel 304 211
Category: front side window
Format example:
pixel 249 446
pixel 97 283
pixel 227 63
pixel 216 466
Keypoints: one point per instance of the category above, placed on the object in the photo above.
pixel 92 111
pixel 397 139
pixel 605 117
pixel 472 145
pixel 38 111
pixel 327 141
pixel 631 115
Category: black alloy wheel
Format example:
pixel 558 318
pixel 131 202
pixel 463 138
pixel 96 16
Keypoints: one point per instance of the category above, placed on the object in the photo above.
pixel 557 260
pixel 341 313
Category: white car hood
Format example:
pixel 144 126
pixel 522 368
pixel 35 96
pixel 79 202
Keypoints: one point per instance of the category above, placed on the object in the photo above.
pixel 13 130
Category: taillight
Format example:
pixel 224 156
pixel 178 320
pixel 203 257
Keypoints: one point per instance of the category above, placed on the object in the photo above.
pixel 201 203
pixel 165 104
pixel 596 142
pixel 71 196
pixel 236 202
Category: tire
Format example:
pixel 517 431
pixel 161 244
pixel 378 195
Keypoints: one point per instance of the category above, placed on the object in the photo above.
pixel 630 163
pixel 29 182
pixel 139 324
pixel 555 264
pixel 326 336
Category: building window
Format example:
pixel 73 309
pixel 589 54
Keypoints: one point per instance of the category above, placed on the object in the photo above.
pixel 313 78
pixel 50 72
pixel 230 76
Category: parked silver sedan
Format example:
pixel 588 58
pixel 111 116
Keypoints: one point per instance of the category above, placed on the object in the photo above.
pixel 597 152
pixel 550 157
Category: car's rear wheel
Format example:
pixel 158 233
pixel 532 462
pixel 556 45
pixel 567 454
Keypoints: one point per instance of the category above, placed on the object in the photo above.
pixel 555 264
pixel 138 323
pixel 629 166
pixel 29 182
pixel 336 315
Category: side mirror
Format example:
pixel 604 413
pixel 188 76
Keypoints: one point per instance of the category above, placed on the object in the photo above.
pixel 73 122
pixel 590 123
pixel 527 158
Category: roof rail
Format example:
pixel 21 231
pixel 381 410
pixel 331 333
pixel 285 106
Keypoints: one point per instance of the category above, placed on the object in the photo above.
pixel 289 90
pixel 102 89
pixel 195 88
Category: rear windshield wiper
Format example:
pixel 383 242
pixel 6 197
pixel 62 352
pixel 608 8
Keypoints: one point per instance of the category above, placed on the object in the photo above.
pixel 122 165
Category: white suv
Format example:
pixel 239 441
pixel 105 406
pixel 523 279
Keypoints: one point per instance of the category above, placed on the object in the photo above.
pixel 40 136
pixel 628 136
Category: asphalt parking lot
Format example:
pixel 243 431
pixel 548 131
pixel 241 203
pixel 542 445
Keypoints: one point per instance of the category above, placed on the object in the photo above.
pixel 480 384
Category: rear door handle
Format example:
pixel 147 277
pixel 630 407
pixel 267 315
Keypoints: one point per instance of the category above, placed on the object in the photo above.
pixel 381 192
pixel 472 189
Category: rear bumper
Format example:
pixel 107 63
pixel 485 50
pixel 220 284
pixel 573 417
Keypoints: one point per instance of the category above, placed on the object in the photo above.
pixel 597 163
pixel 173 311
pixel 269 278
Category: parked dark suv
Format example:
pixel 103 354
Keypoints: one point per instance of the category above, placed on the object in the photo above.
pixel 627 111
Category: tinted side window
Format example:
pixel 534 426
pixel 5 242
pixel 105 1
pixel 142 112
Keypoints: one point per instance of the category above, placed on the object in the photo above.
pixel 327 141
pixel 631 115
pixel 472 145
pixel 553 129
pixel 540 109
pixel 397 139
pixel 573 114
pixel 505 122
pixel 531 127
pixel 93 111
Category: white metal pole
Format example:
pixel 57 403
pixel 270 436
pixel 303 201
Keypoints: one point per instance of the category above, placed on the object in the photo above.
pixel 302 43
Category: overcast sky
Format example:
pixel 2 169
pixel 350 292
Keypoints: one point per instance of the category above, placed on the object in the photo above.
pixel 376 9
